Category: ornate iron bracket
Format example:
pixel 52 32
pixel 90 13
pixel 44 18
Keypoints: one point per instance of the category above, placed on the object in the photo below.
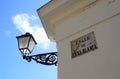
pixel 46 58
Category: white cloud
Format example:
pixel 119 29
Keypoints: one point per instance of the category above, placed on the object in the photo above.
pixel 22 23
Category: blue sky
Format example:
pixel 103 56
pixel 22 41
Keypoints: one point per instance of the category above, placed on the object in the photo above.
pixel 16 18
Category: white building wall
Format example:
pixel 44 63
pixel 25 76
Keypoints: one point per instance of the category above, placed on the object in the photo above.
pixel 102 17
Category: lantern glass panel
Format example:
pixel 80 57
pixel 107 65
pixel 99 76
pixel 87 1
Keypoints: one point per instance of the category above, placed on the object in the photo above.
pixel 32 44
pixel 23 42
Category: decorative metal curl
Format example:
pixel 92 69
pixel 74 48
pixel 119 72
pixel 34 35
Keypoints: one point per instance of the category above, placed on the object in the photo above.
pixel 46 58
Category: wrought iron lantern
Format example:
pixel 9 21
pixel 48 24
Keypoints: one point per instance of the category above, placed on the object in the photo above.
pixel 26 44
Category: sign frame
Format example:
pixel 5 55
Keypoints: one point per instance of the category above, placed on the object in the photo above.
pixel 83 45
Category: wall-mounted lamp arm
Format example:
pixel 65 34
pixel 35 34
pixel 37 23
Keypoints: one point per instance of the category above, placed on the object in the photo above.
pixel 45 58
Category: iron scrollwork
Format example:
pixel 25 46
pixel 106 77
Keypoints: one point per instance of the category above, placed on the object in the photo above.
pixel 46 58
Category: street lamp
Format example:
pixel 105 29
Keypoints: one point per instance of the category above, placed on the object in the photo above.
pixel 26 44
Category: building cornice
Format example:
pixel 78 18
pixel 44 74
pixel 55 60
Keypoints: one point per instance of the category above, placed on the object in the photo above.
pixel 56 10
